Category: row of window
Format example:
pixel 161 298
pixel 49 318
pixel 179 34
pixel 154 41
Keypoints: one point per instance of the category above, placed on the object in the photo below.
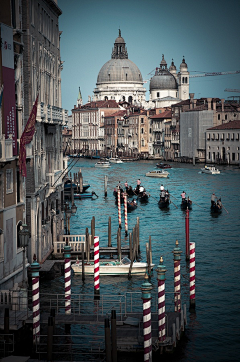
pixel 223 136
pixel 216 156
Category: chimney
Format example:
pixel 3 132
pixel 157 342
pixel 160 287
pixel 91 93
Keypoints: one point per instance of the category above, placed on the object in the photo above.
pixel 222 101
pixel 191 100
pixel 194 103
pixel 214 104
pixel 209 100
pixel 75 106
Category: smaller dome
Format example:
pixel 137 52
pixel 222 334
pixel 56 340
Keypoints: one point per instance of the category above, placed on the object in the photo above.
pixel 163 79
pixel 183 64
pixel 172 66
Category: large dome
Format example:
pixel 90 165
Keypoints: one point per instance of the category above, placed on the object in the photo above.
pixel 119 70
pixel 163 80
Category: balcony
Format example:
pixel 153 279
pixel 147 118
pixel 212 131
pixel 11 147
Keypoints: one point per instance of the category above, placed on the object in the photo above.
pixel 52 114
pixel 158 143
pixel 6 149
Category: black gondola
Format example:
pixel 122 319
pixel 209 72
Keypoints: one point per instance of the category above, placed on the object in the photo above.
pixel 164 202
pixel 76 187
pixel 186 203
pixel 141 194
pixel 215 208
pixel 131 205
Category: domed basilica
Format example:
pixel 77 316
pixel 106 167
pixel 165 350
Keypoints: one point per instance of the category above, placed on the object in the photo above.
pixel 121 80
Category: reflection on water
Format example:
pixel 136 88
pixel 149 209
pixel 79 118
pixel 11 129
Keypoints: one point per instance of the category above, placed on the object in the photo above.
pixel 212 329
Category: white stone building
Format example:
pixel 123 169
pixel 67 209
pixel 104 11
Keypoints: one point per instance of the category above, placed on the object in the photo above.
pixel 120 79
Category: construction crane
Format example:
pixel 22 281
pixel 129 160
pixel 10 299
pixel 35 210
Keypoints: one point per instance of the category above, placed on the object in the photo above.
pixel 214 73
pixel 204 74
pixel 232 90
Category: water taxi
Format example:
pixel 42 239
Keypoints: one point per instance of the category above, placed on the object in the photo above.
pixel 157 173
pixel 210 169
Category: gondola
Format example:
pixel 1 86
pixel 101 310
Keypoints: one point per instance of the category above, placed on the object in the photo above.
pixel 115 193
pixel 164 202
pixel 216 209
pixel 186 203
pixel 141 194
pixel 131 205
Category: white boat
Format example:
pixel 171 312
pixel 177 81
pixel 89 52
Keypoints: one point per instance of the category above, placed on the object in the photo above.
pixel 112 267
pixel 115 160
pixel 102 164
pixel 210 169
pixel 157 173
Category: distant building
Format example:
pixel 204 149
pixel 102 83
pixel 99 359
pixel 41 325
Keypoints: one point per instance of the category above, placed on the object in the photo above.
pixel 120 79
pixel 168 87
pixel 223 143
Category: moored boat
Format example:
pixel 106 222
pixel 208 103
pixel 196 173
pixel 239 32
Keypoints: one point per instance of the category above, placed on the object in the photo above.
pixel 157 173
pixel 87 195
pixel 210 169
pixel 76 187
pixel 112 267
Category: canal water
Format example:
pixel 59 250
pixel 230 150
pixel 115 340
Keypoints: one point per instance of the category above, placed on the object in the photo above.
pixel 213 331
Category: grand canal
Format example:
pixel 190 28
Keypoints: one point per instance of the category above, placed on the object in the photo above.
pixel 213 331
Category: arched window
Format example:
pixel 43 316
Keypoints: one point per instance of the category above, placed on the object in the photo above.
pixel 186 80
pixel 126 76
pixel 158 94
pixel 109 77
pixel 105 98
pixel 182 79
pixel 130 99
pixel 19 225
pixel 142 143
pixel 142 130
pixel 123 98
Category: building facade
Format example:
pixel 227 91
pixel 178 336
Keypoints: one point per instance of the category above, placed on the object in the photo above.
pixel 223 143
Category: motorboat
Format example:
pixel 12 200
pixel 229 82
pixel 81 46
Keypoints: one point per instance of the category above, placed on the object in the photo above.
pixel 210 169
pixel 163 165
pixel 157 173
pixel 104 164
pixel 112 267
pixel 115 160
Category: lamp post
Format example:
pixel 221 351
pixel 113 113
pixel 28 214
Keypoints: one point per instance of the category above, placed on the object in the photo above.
pixel 23 239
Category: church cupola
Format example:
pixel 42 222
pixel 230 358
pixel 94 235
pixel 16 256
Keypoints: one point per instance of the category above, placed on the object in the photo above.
pixel 119 50
pixel 163 64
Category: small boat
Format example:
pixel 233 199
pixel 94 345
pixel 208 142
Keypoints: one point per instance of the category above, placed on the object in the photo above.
pixel 164 202
pixel 115 160
pixel 102 164
pixel 210 169
pixel 131 205
pixel 157 173
pixel 112 267
pixel 163 165
pixel 87 195
pixel 76 187
pixel 216 208
pixel 141 194
pixel 186 203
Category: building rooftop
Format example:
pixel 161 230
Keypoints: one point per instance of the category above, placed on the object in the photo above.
pixel 225 126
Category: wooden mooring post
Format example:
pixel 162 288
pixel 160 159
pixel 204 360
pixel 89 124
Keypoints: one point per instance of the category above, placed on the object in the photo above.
pixel 107 340
pixel 109 232
pixel 105 185
pixel 114 335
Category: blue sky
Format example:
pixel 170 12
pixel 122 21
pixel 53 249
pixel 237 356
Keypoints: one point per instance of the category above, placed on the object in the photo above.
pixel 207 33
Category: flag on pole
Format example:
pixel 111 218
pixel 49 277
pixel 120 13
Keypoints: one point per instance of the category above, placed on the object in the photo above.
pixel 26 138
pixel 1 95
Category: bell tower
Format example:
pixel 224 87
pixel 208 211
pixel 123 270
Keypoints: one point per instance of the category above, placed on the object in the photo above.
pixel 183 81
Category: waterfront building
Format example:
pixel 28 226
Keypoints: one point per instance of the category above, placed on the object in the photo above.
pixel 12 187
pixel 119 78
pixel 223 143
pixel 42 68
pixel 157 122
pixel 67 141
pixel 202 114
pixel 88 126
pixel 112 135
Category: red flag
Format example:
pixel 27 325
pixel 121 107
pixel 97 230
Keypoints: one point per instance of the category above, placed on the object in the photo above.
pixel 26 138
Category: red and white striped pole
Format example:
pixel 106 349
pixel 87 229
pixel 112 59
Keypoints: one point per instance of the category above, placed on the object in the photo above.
pixel 147 330
pixel 125 214
pixel 96 266
pixel 192 276
pixel 161 270
pixel 177 277
pixel 36 301
pixel 119 208
pixel 67 277
pixel 187 233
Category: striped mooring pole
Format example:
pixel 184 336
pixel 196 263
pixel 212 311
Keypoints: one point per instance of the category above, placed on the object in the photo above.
pixel 125 214
pixel 187 233
pixel 192 276
pixel 147 330
pixel 96 266
pixel 36 301
pixel 161 270
pixel 119 208
pixel 67 277
pixel 177 277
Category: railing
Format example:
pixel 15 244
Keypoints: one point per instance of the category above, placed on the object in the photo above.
pixel 75 241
